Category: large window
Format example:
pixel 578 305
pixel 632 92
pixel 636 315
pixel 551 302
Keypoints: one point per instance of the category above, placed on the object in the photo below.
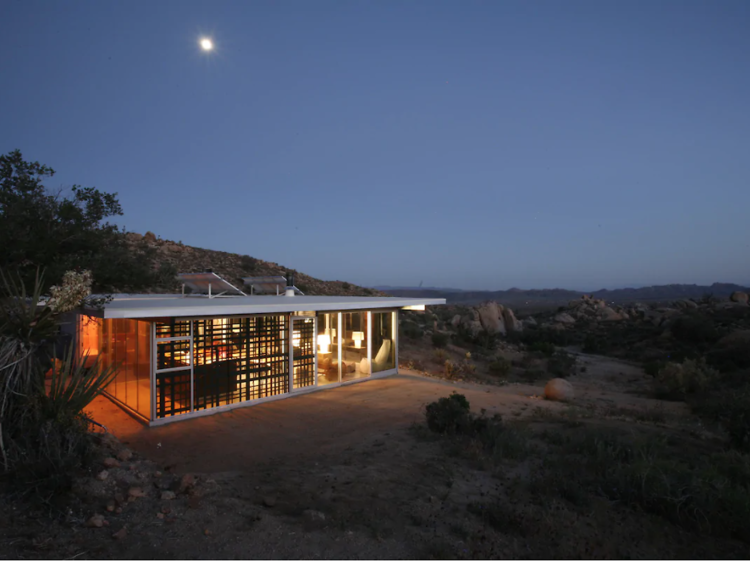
pixel 354 338
pixel 240 359
pixel 383 341
pixel 125 345
pixel 328 348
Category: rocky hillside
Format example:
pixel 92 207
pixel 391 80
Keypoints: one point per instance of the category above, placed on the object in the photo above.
pixel 233 267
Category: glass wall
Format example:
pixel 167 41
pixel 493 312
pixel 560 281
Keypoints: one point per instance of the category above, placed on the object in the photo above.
pixel 328 348
pixel 354 338
pixel 303 352
pixel 240 359
pixel 383 341
pixel 126 345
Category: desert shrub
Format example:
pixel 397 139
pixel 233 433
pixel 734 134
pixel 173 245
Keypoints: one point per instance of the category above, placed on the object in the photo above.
pixel 562 364
pixel 694 329
pixel 466 366
pixel 500 366
pixel 450 369
pixel 411 330
pixel 684 378
pixel 248 264
pixel 439 339
pixel 532 375
pixel 440 355
pixel 449 415
pixel 652 368
pixel 346 286
pixel 542 348
pixel 735 418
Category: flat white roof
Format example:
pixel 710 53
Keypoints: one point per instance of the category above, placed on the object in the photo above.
pixel 156 306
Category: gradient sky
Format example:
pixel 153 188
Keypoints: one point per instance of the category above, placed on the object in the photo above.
pixel 478 145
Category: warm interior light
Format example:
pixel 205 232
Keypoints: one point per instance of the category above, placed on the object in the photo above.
pixel 207 44
pixel 296 338
pixel 358 337
pixel 324 343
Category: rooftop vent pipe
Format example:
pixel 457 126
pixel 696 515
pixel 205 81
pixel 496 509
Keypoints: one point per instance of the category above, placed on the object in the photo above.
pixel 289 292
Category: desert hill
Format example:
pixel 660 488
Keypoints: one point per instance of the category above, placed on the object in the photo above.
pixel 233 267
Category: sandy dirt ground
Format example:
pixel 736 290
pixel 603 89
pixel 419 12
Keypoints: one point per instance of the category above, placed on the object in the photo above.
pixel 338 473
pixel 301 426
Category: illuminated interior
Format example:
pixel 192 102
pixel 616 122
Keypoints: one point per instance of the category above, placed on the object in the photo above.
pixel 383 341
pixel 354 364
pixel 212 362
pixel 328 348
pixel 126 345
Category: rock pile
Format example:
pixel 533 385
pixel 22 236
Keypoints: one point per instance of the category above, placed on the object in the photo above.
pixel 489 316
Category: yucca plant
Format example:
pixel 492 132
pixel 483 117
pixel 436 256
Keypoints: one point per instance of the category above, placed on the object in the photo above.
pixel 43 430
pixel 73 385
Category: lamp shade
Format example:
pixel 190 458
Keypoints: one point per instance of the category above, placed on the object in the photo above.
pixel 324 343
pixel 358 337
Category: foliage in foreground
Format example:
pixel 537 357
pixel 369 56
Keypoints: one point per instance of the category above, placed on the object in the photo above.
pixel 43 430
pixel 664 476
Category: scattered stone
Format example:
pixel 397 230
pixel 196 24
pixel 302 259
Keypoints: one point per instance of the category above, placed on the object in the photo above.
pixel 269 501
pixel 168 495
pixel 111 506
pixel 121 534
pixel 96 521
pixel 559 389
pixel 157 474
pixel 206 532
pixel 165 509
pixel 160 515
pixel 119 498
pixel 111 462
pixel 187 482
pixel 118 510
pixel 313 515
pixel 136 492
pixel 102 476
pixel 564 318
pixel 125 455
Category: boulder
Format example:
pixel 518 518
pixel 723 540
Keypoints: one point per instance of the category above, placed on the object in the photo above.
pixel 608 315
pixel 564 318
pixel 512 324
pixel 96 521
pixel 111 462
pixel 456 321
pixel 739 296
pixel 186 482
pixel 150 237
pixel 125 455
pixel 491 317
pixel 560 390
pixel 529 321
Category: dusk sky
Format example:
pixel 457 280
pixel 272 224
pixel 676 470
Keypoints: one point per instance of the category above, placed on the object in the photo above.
pixel 468 144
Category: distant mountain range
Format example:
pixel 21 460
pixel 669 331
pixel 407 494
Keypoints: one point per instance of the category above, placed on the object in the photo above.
pixel 550 297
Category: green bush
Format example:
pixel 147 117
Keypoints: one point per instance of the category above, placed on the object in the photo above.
pixel 562 364
pixel 694 329
pixel 542 347
pixel 439 339
pixel 411 330
pixel 449 415
pixel 500 366
pixel 685 378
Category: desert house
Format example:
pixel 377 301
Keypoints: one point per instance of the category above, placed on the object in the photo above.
pixel 218 348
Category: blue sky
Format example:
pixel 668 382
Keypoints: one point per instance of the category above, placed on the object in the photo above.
pixel 478 145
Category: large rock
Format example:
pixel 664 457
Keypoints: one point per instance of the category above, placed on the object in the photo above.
pixel 564 318
pixel 560 390
pixel 609 315
pixel 739 296
pixel 512 324
pixel 491 317
pixel 456 321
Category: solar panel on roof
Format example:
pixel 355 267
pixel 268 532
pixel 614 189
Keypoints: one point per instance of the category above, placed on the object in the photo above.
pixel 209 284
pixel 272 284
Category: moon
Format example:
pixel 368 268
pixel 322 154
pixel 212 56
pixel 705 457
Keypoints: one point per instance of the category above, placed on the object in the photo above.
pixel 206 44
